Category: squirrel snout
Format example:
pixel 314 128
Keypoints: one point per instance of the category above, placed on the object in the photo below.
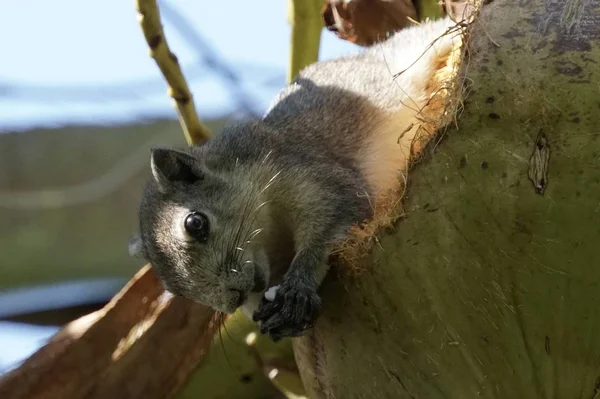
pixel 241 297
pixel 250 278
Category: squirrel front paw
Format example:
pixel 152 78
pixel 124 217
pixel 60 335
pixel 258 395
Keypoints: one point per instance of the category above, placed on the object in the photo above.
pixel 294 309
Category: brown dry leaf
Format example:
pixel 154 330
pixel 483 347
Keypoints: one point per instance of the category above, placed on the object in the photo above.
pixel 366 22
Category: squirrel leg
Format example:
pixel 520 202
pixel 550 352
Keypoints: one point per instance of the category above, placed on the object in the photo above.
pixel 296 305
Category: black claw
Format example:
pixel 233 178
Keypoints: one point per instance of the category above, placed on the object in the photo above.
pixel 265 311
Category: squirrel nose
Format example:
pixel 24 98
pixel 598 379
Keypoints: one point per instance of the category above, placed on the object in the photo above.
pixel 241 297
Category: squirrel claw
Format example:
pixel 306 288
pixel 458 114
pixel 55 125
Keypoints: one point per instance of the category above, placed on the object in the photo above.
pixel 293 310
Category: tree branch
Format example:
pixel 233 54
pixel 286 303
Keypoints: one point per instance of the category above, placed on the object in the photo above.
pixel 149 17
pixel 143 343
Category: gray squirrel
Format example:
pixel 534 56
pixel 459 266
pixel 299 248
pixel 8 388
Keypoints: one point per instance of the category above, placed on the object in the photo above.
pixel 264 202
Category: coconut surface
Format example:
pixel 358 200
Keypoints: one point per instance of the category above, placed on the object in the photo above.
pixel 488 286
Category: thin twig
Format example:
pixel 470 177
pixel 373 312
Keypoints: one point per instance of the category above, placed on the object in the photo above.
pixel 246 102
pixel 149 18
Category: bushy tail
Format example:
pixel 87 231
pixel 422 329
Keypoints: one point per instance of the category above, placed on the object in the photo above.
pixel 415 54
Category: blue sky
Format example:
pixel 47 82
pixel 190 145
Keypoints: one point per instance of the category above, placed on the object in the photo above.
pixel 69 61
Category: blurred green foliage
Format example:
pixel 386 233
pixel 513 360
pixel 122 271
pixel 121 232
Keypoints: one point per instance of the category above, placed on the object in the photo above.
pixel 87 240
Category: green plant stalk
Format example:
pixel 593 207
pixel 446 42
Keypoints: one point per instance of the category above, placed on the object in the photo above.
pixel 305 19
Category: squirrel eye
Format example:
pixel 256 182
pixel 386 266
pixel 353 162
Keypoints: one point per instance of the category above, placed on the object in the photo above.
pixel 196 225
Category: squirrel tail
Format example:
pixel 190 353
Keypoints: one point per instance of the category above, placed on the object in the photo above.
pixel 415 54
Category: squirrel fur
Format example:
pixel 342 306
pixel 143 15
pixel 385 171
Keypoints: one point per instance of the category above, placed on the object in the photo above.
pixel 265 201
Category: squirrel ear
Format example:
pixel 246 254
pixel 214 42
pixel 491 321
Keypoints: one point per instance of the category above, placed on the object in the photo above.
pixel 169 166
pixel 136 247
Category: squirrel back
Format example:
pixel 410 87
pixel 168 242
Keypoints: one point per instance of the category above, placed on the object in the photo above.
pixel 355 108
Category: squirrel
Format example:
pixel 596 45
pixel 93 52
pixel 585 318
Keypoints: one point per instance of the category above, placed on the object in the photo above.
pixel 263 203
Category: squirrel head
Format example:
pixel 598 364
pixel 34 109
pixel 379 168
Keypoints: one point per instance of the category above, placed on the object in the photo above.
pixel 200 229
